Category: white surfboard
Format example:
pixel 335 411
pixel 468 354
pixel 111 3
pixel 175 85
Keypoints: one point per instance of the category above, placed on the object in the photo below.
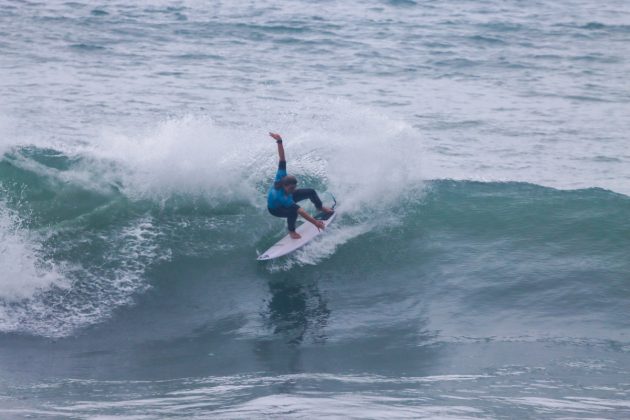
pixel 286 245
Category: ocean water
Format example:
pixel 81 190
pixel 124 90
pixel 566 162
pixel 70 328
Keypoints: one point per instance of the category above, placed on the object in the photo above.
pixel 479 266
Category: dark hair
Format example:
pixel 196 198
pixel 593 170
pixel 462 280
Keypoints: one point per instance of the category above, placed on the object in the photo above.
pixel 284 181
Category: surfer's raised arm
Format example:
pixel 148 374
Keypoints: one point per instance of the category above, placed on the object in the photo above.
pixel 284 194
pixel 278 139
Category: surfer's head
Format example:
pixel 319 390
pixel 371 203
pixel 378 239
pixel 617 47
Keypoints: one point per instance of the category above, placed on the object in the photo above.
pixel 288 183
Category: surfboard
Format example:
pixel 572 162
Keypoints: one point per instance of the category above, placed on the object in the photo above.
pixel 287 245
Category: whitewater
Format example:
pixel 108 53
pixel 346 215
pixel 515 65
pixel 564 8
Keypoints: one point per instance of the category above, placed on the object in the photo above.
pixel 478 266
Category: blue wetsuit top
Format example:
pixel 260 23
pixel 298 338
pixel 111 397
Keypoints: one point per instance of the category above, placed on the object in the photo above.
pixel 277 197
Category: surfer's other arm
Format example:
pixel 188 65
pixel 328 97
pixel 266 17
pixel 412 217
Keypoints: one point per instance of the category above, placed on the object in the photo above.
pixel 318 223
pixel 278 139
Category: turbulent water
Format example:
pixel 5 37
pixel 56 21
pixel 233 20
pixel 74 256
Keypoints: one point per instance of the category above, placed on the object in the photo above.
pixel 479 265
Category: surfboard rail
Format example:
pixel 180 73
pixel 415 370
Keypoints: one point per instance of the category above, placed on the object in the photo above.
pixel 287 245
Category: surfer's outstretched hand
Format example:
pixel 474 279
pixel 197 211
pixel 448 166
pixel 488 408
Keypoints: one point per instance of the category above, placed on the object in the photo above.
pixel 320 225
pixel 276 136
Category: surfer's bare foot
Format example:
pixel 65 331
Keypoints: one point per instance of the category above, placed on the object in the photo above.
pixel 327 210
pixel 294 235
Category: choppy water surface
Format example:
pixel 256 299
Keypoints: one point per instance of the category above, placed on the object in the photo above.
pixel 479 265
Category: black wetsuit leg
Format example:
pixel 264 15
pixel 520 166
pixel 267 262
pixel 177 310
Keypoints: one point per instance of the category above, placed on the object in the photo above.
pixel 304 193
pixel 289 212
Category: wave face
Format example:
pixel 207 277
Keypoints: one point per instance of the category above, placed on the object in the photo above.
pixel 92 223
pixel 87 233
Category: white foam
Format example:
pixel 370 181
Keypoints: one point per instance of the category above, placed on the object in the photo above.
pixel 53 299
pixel 24 271
pixel 365 157
pixel 370 159
pixel 185 156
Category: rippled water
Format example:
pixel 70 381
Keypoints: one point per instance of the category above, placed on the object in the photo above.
pixel 479 265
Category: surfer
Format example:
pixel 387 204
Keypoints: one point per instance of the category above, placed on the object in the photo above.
pixel 283 196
